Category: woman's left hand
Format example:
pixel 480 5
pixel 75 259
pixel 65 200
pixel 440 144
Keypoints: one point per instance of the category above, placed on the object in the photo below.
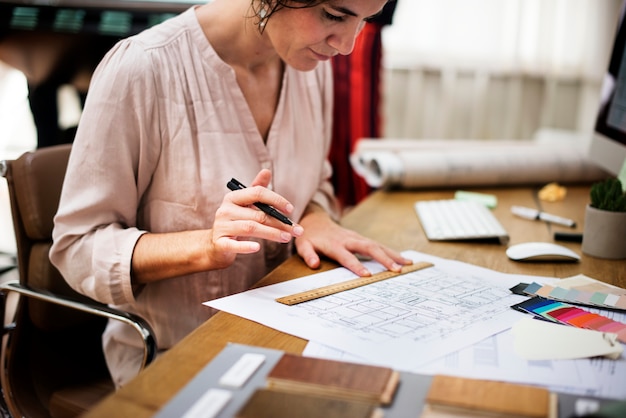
pixel 324 236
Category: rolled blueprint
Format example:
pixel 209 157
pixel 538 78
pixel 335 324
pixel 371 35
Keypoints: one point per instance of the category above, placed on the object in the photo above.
pixel 410 163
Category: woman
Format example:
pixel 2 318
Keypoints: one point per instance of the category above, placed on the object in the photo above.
pixel 233 88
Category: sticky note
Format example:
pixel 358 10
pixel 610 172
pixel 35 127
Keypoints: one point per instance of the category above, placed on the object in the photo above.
pixel 488 200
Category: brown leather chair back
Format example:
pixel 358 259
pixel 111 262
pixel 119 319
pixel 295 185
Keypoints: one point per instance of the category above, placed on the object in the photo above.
pixel 52 349
pixel 35 181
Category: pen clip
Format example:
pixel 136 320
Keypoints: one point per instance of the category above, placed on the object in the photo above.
pixel 234 184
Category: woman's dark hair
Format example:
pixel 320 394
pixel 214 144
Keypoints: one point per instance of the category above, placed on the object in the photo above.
pixel 272 6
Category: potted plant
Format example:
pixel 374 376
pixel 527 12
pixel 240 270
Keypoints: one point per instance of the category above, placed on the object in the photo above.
pixel 604 233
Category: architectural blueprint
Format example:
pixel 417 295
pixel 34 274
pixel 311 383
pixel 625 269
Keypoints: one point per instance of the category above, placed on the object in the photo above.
pixel 403 322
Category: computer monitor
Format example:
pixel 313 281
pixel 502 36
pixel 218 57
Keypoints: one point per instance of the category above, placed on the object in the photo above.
pixel 608 144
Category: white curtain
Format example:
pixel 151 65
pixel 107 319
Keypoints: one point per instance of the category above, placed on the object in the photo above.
pixel 562 43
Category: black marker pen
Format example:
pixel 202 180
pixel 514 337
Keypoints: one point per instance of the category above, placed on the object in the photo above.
pixel 568 236
pixel 234 184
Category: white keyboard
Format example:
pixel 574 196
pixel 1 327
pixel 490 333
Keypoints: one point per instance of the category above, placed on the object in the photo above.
pixel 451 220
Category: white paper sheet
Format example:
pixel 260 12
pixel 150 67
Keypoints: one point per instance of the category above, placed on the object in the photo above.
pixel 490 359
pixel 495 359
pixel 403 322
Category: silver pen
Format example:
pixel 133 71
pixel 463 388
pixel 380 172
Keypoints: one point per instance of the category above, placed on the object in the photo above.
pixel 534 214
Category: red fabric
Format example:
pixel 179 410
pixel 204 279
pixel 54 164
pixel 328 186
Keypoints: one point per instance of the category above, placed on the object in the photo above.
pixel 356 112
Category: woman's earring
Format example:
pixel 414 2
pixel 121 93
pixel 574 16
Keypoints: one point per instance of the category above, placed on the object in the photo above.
pixel 262 14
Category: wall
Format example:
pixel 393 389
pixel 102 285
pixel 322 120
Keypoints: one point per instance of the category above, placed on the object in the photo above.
pixel 490 69
pixel 448 103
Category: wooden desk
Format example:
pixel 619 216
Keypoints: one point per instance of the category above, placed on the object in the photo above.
pixel 390 218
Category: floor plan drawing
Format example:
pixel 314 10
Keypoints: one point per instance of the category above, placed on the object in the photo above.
pixel 403 322
pixel 421 305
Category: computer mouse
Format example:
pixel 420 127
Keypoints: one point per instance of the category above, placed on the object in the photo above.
pixel 540 251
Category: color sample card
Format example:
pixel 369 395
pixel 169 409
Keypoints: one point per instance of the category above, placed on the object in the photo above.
pixel 563 313
pixel 581 290
pixel 543 340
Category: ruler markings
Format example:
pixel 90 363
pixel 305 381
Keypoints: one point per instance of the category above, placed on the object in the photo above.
pixel 349 284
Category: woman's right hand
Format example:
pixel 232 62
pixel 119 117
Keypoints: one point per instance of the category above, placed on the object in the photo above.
pixel 237 220
pixel 167 255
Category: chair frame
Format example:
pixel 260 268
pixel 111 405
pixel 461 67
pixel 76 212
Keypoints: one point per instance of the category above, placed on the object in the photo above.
pixel 142 328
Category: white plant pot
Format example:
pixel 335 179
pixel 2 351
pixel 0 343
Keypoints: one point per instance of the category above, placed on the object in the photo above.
pixel 604 234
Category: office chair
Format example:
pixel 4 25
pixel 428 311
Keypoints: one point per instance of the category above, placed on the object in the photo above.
pixel 52 363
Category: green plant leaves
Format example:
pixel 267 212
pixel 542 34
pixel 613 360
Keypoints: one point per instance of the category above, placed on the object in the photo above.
pixel 608 195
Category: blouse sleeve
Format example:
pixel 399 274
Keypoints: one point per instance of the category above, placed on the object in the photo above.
pixel 115 149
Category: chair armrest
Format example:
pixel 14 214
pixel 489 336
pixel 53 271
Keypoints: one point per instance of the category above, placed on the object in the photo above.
pixel 137 323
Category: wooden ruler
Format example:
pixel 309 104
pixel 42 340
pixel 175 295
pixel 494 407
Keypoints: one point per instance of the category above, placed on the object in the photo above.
pixel 349 284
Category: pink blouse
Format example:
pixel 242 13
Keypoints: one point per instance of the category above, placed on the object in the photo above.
pixel 164 128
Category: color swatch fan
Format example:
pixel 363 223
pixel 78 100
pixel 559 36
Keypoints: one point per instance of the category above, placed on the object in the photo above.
pixel 575 316
pixel 582 290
